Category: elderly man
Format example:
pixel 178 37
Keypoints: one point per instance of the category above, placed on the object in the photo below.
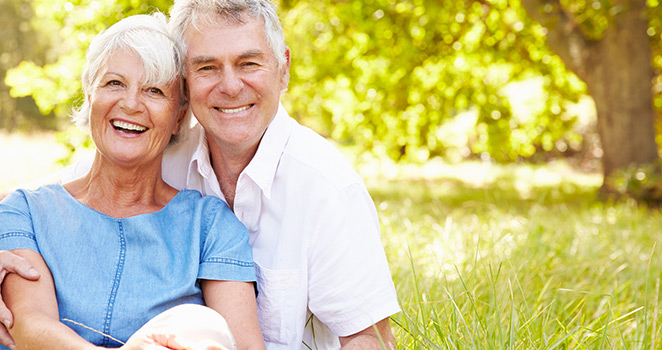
pixel 323 278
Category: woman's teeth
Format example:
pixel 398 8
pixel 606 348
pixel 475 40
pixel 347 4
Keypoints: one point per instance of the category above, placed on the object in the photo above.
pixel 124 126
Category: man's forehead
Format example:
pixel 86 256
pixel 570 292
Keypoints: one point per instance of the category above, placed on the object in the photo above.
pixel 226 20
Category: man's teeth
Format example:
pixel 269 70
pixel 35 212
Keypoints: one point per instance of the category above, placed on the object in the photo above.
pixel 234 110
pixel 128 126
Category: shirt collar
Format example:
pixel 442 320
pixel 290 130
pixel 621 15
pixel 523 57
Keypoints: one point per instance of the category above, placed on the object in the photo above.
pixel 263 166
pixel 200 162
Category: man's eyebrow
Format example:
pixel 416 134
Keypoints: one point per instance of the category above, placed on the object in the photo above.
pixel 202 59
pixel 252 54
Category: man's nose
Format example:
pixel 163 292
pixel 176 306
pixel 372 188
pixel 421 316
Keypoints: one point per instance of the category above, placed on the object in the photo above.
pixel 230 83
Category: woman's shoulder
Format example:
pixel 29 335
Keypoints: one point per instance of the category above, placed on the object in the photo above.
pixel 49 201
pixel 194 198
pixel 203 210
pixel 45 193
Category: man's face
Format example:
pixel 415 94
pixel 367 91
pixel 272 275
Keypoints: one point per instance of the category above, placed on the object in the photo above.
pixel 234 80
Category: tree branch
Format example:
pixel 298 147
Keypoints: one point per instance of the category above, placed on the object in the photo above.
pixel 564 35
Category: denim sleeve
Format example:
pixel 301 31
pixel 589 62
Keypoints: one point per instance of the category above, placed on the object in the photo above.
pixel 16 229
pixel 226 254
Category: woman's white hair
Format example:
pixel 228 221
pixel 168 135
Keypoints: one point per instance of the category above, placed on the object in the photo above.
pixel 185 13
pixel 161 54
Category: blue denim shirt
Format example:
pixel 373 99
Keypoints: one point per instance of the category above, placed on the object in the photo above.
pixel 113 275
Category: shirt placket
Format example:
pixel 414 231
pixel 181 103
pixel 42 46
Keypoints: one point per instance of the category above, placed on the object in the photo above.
pixel 245 199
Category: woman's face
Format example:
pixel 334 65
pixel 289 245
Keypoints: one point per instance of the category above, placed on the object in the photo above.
pixel 131 123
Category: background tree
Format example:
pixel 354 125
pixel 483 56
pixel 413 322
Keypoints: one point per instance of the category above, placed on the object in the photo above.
pixel 606 43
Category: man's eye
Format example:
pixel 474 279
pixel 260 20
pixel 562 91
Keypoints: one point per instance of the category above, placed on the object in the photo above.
pixel 206 68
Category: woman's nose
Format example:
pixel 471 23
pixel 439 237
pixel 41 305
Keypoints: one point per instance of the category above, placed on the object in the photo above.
pixel 131 102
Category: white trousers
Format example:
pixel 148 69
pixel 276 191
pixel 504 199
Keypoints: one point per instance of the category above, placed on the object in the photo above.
pixel 193 326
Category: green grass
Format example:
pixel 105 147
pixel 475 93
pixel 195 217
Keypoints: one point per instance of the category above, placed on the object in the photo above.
pixel 517 257
pixel 494 257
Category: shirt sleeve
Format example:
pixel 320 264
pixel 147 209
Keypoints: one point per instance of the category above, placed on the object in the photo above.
pixel 16 230
pixel 226 254
pixel 350 285
pixel 76 170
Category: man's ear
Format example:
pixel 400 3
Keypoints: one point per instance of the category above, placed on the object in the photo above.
pixel 180 118
pixel 285 71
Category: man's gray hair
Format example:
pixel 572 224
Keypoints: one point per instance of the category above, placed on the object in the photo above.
pixel 162 57
pixel 186 13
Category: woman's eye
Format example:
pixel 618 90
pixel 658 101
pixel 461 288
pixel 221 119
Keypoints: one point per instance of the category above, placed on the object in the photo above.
pixel 114 83
pixel 156 91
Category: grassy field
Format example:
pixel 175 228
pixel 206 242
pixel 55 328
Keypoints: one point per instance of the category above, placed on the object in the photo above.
pixel 518 257
pixel 493 257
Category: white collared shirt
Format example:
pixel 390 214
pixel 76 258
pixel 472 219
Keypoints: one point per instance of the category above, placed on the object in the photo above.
pixel 314 232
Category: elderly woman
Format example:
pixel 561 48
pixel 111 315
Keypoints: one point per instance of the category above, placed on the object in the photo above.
pixel 119 246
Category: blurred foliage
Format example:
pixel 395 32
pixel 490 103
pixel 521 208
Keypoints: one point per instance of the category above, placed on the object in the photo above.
pixel 393 76
pixel 18 41
pixel 407 79
pixel 642 183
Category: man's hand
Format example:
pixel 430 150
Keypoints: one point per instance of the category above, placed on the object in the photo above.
pixel 371 338
pixel 12 263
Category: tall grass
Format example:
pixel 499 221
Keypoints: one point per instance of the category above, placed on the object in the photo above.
pixel 517 257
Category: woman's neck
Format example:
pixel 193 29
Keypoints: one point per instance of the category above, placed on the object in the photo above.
pixel 120 191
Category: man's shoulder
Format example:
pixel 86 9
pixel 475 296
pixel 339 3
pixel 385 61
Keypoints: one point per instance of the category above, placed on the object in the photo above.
pixel 316 156
pixel 184 149
pixel 178 157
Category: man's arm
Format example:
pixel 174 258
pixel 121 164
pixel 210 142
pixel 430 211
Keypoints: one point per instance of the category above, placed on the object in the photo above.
pixel 36 318
pixel 12 263
pixel 371 338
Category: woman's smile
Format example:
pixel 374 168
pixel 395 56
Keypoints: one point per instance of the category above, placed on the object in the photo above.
pixel 127 127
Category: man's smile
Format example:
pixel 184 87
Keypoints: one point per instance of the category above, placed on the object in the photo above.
pixel 234 110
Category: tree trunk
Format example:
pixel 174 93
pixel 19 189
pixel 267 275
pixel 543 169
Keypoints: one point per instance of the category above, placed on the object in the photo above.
pixel 617 69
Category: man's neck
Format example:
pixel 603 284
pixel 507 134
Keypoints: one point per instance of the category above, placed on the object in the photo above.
pixel 228 164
